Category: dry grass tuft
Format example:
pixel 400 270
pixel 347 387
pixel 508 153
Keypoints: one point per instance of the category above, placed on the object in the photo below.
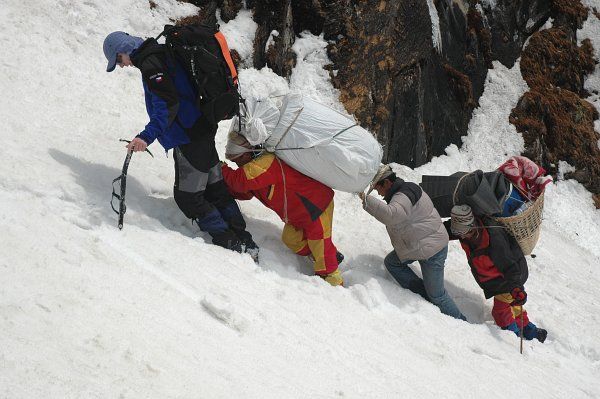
pixel 551 58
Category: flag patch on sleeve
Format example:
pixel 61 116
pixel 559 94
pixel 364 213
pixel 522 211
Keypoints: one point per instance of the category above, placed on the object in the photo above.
pixel 157 77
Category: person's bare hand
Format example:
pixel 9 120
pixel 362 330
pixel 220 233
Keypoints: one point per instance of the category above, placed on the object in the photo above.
pixel 136 144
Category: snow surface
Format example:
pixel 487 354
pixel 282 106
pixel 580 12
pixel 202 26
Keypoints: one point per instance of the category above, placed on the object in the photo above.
pixel 243 28
pixel 154 311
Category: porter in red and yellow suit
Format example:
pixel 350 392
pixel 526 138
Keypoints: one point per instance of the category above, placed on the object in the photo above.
pixel 304 204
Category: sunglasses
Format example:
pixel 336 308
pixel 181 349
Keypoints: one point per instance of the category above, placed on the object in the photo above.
pixel 119 58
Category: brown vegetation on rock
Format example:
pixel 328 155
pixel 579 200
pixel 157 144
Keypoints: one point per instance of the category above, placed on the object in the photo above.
pixel 553 59
pixel 461 86
pixel 556 122
pixel 477 28
pixel 190 20
pixel 207 13
pixel 569 13
pixel 557 125
pixel 230 9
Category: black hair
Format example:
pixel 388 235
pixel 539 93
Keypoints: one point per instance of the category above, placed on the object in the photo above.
pixel 392 178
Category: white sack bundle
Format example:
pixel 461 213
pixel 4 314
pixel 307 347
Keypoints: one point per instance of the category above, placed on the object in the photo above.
pixel 259 118
pixel 324 144
pixel 315 140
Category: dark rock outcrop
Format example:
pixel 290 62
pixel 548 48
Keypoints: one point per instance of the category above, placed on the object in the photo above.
pixel 274 15
pixel 415 98
pixel 228 8
pixel 569 14
pixel 511 22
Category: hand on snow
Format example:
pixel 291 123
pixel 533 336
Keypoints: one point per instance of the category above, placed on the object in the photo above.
pixel 136 144
pixel 520 297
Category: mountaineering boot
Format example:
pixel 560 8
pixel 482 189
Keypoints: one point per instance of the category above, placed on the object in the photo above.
pixel 249 246
pixel 221 234
pixel 334 278
pixel 227 239
pixel 530 331
pixel 541 335
pixel 232 215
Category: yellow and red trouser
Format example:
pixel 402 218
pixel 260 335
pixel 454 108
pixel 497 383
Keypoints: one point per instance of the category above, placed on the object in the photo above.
pixel 314 239
pixel 504 314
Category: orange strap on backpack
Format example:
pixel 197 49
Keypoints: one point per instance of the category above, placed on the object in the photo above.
pixel 225 50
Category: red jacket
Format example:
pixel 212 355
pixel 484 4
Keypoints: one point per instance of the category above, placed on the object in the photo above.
pixel 298 199
pixel 496 260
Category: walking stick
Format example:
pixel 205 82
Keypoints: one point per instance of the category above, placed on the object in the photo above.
pixel 522 326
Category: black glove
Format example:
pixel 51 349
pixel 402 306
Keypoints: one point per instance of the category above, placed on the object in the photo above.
pixel 519 295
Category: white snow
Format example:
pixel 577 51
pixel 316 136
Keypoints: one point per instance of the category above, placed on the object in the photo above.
pixel 563 168
pixel 240 33
pixel 308 75
pixel 436 33
pixel 154 311
pixel 271 39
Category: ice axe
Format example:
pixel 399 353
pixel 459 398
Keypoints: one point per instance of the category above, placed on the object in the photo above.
pixel 122 180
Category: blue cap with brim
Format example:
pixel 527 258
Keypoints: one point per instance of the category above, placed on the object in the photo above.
pixel 119 42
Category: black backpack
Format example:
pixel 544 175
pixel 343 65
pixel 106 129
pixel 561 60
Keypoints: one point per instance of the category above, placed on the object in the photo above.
pixel 203 52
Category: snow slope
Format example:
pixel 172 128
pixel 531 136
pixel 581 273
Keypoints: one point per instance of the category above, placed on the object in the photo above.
pixel 154 311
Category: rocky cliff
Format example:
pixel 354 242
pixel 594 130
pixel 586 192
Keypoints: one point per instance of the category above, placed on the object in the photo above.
pixel 412 71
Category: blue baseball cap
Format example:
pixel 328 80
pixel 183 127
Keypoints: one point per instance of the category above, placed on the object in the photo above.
pixel 119 42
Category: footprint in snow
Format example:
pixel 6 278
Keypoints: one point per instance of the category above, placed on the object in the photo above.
pixel 483 352
pixel 221 309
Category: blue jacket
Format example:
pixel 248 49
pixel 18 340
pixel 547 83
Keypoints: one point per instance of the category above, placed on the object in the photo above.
pixel 170 97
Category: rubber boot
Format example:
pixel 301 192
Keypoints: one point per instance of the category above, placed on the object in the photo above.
pixel 334 278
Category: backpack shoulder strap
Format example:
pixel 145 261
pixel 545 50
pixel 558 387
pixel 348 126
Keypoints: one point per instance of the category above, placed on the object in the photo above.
pixel 149 47
pixel 227 55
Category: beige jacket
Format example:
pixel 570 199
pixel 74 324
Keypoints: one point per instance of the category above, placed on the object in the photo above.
pixel 416 231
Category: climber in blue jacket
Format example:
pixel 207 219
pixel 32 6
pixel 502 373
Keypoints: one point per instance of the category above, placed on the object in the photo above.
pixel 178 124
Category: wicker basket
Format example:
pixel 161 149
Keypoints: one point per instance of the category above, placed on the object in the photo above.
pixel 526 226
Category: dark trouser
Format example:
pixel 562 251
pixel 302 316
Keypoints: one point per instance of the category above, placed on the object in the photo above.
pixel 202 195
